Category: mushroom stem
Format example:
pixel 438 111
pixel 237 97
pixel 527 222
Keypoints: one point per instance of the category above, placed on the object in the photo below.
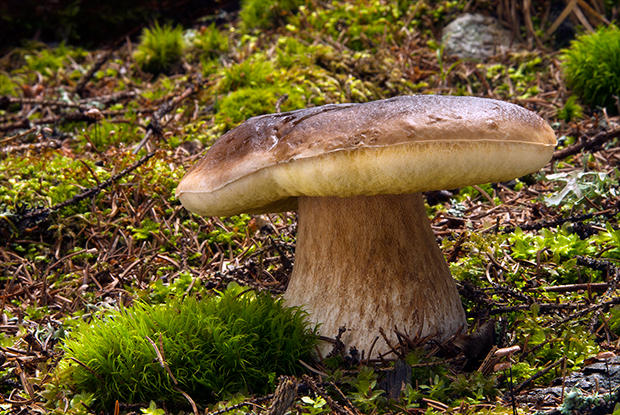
pixel 367 262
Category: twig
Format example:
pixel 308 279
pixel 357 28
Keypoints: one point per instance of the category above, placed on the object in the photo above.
pixel 311 369
pixel 160 357
pixel 103 58
pixel 159 351
pixel 241 405
pixel 591 144
pixel 596 286
pixel 597 264
pixel 16 136
pixel 387 341
pixel 189 399
pixel 41 214
pixel 87 368
pixel 25 147
pixel 104 99
pixel 525 383
pixel 76 116
pixel 585 311
pixel 567 10
pixel 343 397
pixel 165 108
pixel 335 407
pixel 543 308
pixel 45 102
pixel 557 222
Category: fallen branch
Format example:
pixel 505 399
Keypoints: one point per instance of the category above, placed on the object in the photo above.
pixel 542 308
pixel 593 144
pixel 39 215
pixel 76 116
pixel 557 222
pixel 526 382
pixel 253 402
pixel 16 136
pixel 574 315
pixel 103 58
pixel 596 286
pixel 44 102
pixel 333 405
pixel 155 124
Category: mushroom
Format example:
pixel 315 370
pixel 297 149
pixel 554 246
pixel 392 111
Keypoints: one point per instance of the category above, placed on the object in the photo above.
pixel 366 257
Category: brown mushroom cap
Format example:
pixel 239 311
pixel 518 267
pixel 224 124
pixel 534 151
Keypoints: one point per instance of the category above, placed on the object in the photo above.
pixel 366 256
pixel 400 145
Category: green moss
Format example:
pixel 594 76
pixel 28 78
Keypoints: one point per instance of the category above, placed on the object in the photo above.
pixel 7 85
pixel 266 14
pixel 252 73
pixel 291 52
pixel 160 48
pixel 250 102
pixel 591 65
pixel 212 42
pixel 48 61
pixel 237 341
pixel 361 22
pixel 571 110
pixel 45 181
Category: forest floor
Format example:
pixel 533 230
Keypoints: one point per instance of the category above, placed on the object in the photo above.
pixel 92 146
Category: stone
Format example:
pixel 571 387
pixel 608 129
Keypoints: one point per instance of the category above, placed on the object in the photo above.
pixel 475 36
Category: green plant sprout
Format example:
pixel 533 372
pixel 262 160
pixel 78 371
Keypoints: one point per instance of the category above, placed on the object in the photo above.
pixel 314 406
pixel 249 73
pixel 160 48
pixel 590 67
pixel 152 409
pixel 235 341
pixel 571 110
pixel 439 48
pixel 367 396
pixel 583 188
pixel 212 42
pixel 265 14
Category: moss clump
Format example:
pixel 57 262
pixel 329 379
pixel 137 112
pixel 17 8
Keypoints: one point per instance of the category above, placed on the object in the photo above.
pixel 249 73
pixel 212 42
pixel 265 14
pixel 591 65
pixel 160 48
pixel 237 341
pixel 250 102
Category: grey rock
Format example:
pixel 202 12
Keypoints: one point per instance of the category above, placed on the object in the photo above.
pixel 600 375
pixel 475 36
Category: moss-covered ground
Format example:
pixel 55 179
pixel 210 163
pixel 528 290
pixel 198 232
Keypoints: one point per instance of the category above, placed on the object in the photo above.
pixel 94 142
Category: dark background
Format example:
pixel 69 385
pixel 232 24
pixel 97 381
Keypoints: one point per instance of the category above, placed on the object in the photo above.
pixel 97 23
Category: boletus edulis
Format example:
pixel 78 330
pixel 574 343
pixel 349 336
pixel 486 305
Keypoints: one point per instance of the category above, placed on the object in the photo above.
pixel 366 257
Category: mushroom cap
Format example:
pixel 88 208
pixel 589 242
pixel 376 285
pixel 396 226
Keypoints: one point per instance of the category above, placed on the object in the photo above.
pixel 406 144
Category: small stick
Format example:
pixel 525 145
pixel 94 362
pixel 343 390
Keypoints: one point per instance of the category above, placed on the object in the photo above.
pixel 87 368
pixel 16 136
pixel 43 213
pixel 159 351
pixel 595 286
pixel 335 407
pixel 596 141
pixel 564 380
pixel 103 58
pixel 160 357
pixel 526 382
pixel 241 405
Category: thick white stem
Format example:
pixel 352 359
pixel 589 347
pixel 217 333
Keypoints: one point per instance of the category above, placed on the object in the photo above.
pixel 368 262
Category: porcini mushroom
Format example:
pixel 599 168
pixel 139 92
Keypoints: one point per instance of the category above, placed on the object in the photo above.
pixel 366 257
